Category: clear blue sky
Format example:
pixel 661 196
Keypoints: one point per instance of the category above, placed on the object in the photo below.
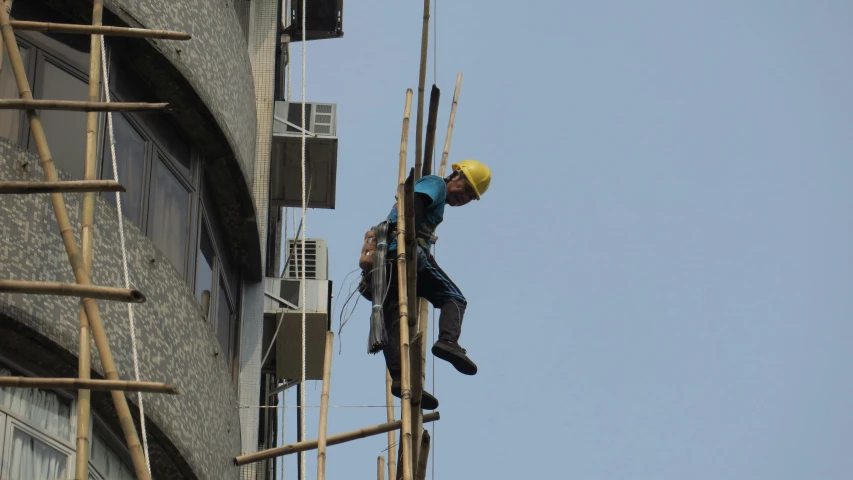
pixel 659 277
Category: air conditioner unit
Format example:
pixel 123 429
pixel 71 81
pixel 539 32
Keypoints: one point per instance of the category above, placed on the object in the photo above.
pixel 316 259
pixel 321 155
pixel 323 19
pixel 283 300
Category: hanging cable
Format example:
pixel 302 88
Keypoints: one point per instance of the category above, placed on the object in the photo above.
pixel 124 261
pixel 302 389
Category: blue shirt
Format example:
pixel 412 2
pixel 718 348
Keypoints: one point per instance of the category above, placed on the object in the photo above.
pixel 434 187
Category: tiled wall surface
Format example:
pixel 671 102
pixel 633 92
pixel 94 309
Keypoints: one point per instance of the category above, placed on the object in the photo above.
pixel 175 344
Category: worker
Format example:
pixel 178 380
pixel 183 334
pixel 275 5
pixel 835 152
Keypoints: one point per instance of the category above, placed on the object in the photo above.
pixel 469 181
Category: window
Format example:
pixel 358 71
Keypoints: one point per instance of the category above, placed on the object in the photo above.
pixel 224 314
pixel 10 120
pixel 130 148
pixel 204 267
pixel 65 131
pixel 168 220
pixel 38 429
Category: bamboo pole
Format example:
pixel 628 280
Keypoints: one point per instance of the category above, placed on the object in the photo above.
pixel 419 134
pixel 434 96
pixel 449 134
pixel 72 186
pixel 127 295
pixel 392 437
pixel 100 30
pixel 418 359
pixel 74 257
pixel 324 406
pixel 423 457
pixel 89 384
pixel 412 297
pixel 402 288
pixel 330 441
pixel 84 356
pixel 79 106
pixel 380 468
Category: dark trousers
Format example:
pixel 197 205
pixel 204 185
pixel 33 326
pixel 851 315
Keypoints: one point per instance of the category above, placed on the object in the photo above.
pixel 433 285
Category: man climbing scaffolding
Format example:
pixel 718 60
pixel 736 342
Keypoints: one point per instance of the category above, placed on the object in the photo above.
pixel 469 181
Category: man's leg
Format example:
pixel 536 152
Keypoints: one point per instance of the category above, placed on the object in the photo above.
pixel 442 293
pixel 391 317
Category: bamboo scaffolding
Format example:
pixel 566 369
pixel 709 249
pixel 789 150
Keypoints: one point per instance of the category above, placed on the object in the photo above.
pixel 72 186
pixel 330 441
pixel 411 282
pixel 402 287
pixel 84 357
pixel 449 135
pixel 324 406
pixel 434 96
pixel 419 134
pixel 423 457
pixel 380 468
pixel 89 384
pixel 392 437
pixel 99 30
pixel 74 257
pixel 79 106
pixel 88 292
pixel 418 362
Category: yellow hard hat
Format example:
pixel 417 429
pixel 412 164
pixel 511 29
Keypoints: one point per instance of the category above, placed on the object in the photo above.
pixel 478 175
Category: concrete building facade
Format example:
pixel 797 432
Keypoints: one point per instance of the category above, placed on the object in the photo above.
pixel 197 222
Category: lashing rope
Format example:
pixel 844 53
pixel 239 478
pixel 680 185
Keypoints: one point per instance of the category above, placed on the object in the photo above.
pixel 124 262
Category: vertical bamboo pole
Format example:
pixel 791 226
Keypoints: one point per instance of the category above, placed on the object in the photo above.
pixel 380 468
pixel 423 457
pixel 324 406
pixel 419 135
pixel 86 236
pixel 392 435
pixel 402 288
pixel 74 257
pixel 450 125
pixel 412 248
pixel 434 97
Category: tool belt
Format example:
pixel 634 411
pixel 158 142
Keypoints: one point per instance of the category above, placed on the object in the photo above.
pixel 365 261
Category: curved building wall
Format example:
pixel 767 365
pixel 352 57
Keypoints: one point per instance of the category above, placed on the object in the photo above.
pixel 215 61
pixel 194 435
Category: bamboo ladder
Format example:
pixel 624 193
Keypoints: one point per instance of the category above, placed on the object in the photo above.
pixel 81 262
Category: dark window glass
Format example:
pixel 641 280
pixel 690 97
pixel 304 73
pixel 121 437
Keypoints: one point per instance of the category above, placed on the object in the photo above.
pixel 204 266
pixel 223 320
pixel 130 158
pixel 65 131
pixel 10 120
pixel 168 217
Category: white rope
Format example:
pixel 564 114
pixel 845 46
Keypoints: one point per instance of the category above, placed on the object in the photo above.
pixel 302 390
pixel 124 262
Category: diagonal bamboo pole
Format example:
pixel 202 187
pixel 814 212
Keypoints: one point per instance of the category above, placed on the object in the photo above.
pixel 449 135
pixel 73 252
pixel 89 384
pixel 419 134
pixel 71 186
pixel 84 356
pixel 78 106
pixel 101 30
pixel 434 97
pixel 330 440
pixel 324 406
pixel 402 288
pixel 392 435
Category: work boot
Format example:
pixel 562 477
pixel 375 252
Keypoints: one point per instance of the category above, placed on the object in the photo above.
pixel 456 355
pixel 428 402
